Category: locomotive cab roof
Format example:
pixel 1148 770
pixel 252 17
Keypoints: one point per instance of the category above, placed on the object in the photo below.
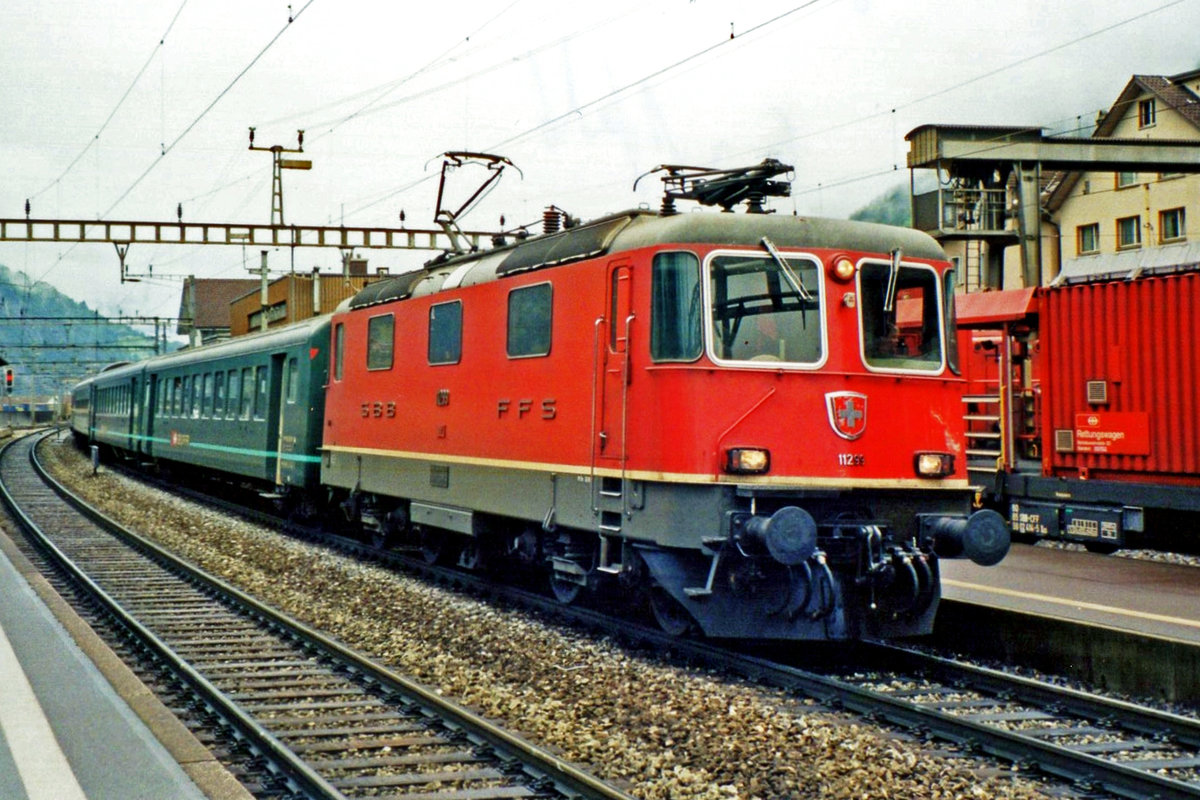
pixel 631 230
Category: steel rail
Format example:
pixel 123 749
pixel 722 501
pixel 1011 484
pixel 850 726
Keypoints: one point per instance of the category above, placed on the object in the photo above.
pixel 568 779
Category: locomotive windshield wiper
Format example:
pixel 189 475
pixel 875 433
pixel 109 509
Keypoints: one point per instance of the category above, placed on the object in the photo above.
pixel 792 278
pixel 889 298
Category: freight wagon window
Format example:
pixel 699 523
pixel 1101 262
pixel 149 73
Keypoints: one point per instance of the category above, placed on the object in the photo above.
pixel 909 336
pixel 445 333
pixel 247 393
pixel 675 308
pixel 260 395
pixel 757 313
pixel 339 350
pixel 235 393
pixel 380 341
pixel 529 321
pixel 292 378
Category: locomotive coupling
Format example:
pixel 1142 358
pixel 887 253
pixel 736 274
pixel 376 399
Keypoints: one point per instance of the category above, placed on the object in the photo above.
pixel 789 535
pixel 982 537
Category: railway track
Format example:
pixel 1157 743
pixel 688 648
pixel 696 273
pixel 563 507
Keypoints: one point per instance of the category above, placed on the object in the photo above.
pixel 326 722
pixel 1104 747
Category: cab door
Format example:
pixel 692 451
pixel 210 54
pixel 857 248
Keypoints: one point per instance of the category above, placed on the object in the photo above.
pixel 613 334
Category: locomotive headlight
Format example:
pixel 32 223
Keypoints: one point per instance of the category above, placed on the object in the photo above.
pixel 747 460
pixel 843 269
pixel 934 465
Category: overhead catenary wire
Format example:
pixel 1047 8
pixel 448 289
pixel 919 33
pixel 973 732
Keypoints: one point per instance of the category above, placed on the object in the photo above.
pixel 96 137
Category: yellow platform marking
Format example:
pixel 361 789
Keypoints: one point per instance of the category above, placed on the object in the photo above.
pixel 1124 612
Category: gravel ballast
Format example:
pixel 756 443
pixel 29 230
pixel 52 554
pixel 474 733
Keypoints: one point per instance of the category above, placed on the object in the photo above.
pixel 656 729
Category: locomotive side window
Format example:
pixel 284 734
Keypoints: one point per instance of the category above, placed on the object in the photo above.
pixel 951 322
pixel 445 333
pixel 339 350
pixel 380 341
pixel 760 312
pixel 529 317
pixel 908 334
pixel 676 332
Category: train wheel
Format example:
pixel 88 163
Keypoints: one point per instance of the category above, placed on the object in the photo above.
pixel 672 617
pixel 565 592
pixel 433 546
pixel 472 557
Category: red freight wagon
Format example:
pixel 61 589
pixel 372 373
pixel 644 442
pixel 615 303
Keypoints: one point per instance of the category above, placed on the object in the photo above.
pixel 1115 449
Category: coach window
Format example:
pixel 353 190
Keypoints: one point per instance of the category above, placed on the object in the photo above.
pixel 235 393
pixel 218 395
pixel 247 393
pixel 197 394
pixel 445 333
pixel 675 309
pixel 185 404
pixel 260 393
pixel 176 397
pixel 900 317
pixel 339 350
pixel 293 378
pixel 207 409
pixel 529 321
pixel 380 341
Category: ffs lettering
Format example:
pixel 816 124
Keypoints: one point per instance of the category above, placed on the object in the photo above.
pixel 522 408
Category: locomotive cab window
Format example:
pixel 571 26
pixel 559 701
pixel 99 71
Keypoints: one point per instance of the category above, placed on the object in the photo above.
pixel 900 317
pixel 380 341
pixel 445 333
pixel 339 350
pixel 676 327
pixel 766 310
pixel 529 318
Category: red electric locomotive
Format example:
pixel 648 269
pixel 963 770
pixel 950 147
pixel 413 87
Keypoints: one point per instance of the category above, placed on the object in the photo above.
pixel 753 419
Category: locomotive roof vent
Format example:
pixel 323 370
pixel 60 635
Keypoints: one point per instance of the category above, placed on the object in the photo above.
pixel 723 187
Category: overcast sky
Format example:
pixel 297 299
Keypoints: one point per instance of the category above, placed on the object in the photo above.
pixel 123 110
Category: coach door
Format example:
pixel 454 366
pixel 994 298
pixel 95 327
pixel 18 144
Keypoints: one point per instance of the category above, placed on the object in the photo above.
pixel 277 394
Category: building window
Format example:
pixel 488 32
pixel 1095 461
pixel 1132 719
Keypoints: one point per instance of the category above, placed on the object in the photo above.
pixel 380 341
pixel 529 314
pixel 675 308
pixel 445 333
pixel 1126 179
pixel 1170 225
pixel 1087 238
pixel 1146 113
pixel 1129 232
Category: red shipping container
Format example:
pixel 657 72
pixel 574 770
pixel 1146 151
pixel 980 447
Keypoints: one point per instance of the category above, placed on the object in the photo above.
pixel 1122 380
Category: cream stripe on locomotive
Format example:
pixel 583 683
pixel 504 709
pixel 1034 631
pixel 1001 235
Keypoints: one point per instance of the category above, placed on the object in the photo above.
pixel 663 477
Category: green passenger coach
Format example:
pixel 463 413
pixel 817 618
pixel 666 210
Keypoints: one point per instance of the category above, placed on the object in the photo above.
pixel 250 406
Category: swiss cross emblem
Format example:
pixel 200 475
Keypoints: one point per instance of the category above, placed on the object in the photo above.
pixel 847 413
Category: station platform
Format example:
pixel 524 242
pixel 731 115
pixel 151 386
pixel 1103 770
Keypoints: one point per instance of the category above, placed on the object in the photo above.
pixel 75 722
pixel 1143 597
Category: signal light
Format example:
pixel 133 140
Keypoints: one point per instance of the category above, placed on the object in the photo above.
pixel 8 380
